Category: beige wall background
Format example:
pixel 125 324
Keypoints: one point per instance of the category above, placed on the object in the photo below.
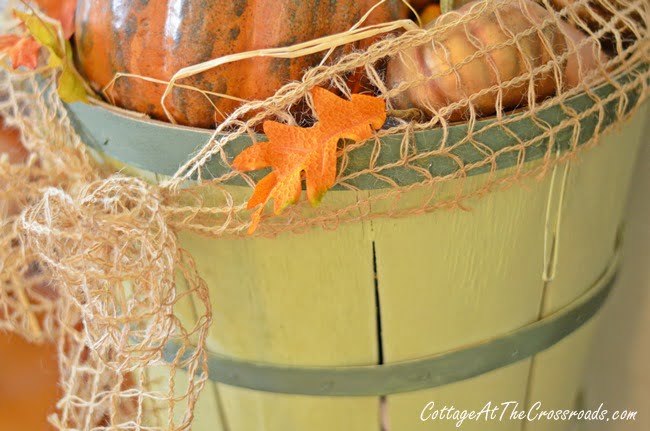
pixel 618 374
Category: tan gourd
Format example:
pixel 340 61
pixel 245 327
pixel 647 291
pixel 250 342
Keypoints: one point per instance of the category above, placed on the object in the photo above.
pixel 487 71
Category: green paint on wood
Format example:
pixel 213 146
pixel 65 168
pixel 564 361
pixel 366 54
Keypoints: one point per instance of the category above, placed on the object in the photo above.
pixel 162 148
pixel 408 376
pixel 445 270
pixel 593 212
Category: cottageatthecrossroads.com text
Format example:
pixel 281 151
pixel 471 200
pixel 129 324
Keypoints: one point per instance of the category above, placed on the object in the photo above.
pixel 510 411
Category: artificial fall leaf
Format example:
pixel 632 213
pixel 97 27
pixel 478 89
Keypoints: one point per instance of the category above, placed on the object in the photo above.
pixel 292 151
pixel 23 51
pixel 62 11
pixel 49 33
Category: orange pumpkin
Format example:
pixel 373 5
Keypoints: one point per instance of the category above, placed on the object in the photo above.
pixel 12 148
pixel 29 387
pixel 421 4
pixel 10 144
pixel 61 10
pixel 430 13
pixel 28 372
pixel 157 38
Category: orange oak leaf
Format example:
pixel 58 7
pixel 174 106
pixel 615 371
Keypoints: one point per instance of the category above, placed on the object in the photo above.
pixel 294 152
pixel 23 51
pixel 7 41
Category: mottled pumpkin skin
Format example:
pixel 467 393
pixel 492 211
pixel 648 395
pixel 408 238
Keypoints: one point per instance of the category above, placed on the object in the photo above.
pixel 156 38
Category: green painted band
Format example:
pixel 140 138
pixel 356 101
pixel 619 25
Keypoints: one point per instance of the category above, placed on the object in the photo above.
pixel 162 148
pixel 430 372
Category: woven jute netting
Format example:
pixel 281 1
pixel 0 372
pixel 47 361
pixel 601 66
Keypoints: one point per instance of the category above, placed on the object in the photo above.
pixel 90 258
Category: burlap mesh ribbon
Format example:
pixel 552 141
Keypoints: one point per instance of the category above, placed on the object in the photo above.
pixel 92 262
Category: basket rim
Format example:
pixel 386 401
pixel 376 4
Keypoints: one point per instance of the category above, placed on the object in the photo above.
pixel 161 148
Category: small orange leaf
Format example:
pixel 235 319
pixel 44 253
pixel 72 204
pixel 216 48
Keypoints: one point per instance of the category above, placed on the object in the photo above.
pixel 292 151
pixel 8 41
pixel 23 51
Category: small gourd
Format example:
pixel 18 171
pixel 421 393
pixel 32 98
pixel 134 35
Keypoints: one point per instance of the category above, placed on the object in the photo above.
pixel 487 71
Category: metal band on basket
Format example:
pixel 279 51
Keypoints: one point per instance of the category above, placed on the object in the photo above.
pixel 423 373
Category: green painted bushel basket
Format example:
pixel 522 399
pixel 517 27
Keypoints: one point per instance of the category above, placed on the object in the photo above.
pixel 361 327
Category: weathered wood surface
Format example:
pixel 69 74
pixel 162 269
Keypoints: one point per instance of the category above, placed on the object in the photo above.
pixel 591 218
pixel 444 280
pixel 161 147
pixel 296 299
pixel 453 278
